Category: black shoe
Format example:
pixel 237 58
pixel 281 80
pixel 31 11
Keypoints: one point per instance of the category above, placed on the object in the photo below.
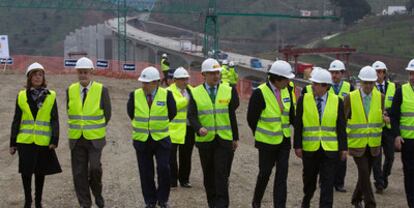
pixel 385 183
pixel 340 189
pixel 380 189
pixel 256 205
pixel 38 205
pixel 173 185
pixel 100 202
pixel 150 206
pixel 164 205
pixel 27 204
pixel 186 185
pixel 357 204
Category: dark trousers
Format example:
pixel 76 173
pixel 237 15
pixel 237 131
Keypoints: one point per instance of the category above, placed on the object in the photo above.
pixel 267 160
pixel 87 172
pixel 363 189
pixel 183 169
pixel 215 161
pixel 324 165
pixel 27 185
pixel 340 173
pixel 146 151
pixel 381 173
pixel 407 157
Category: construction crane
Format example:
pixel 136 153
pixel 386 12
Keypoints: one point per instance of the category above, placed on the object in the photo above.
pixel 123 7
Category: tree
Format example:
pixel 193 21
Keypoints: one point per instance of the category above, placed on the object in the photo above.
pixel 352 10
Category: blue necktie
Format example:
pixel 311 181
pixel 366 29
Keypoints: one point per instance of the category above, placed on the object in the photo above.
pixel 381 88
pixel 319 106
pixel 336 88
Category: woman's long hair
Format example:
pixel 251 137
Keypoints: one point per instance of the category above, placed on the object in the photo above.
pixel 29 81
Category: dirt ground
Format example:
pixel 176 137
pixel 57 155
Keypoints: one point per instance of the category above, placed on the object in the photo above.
pixel 121 180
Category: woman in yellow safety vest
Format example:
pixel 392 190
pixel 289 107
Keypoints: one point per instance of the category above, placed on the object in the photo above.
pixel 35 133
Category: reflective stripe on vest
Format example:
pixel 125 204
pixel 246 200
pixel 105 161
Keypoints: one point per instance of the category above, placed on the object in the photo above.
pixel 344 91
pixel 363 132
pixel 314 133
pixel 150 121
pixel 86 119
pixel 37 130
pixel 214 117
pixel 273 124
pixel 178 126
pixel 407 112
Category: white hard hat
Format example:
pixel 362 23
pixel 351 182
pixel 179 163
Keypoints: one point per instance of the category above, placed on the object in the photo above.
pixel 410 66
pixel 336 65
pixel 164 55
pixel 282 68
pixel 368 74
pixel 321 76
pixel 314 69
pixel 378 65
pixel 210 65
pixel 231 64
pixel 84 63
pixel 149 74
pixel 180 72
pixel 225 62
pixel 33 67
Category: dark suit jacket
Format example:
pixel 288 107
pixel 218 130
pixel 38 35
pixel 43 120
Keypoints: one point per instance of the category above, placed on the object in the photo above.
pixel 105 105
pixel 195 123
pixel 340 130
pixel 256 106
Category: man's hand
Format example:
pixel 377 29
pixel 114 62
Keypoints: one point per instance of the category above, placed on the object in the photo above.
pixel 12 150
pixel 235 145
pixel 203 131
pixel 397 143
pixel 343 155
pixel 386 118
pixel 52 146
pixel 299 153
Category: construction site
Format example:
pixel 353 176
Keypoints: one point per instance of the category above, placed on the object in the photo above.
pixel 123 37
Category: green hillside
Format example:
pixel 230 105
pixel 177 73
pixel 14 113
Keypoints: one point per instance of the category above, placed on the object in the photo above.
pixel 391 36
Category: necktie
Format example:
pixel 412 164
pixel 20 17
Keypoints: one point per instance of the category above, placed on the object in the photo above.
pixel 367 102
pixel 381 88
pixel 279 101
pixel 84 93
pixel 149 100
pixel 319 106
pixel 212 94
pixel 336 88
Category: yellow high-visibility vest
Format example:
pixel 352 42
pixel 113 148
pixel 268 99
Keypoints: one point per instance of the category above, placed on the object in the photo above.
pixel 150 121
pixel 273 124
pixel 362 131
pixel 407 112
pixel 214 116
pixel 316 133
pixel 86 119
pixel 178 126
pixel 35 130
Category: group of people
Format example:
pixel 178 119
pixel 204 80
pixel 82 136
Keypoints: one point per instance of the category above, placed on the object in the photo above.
pixel 330 120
